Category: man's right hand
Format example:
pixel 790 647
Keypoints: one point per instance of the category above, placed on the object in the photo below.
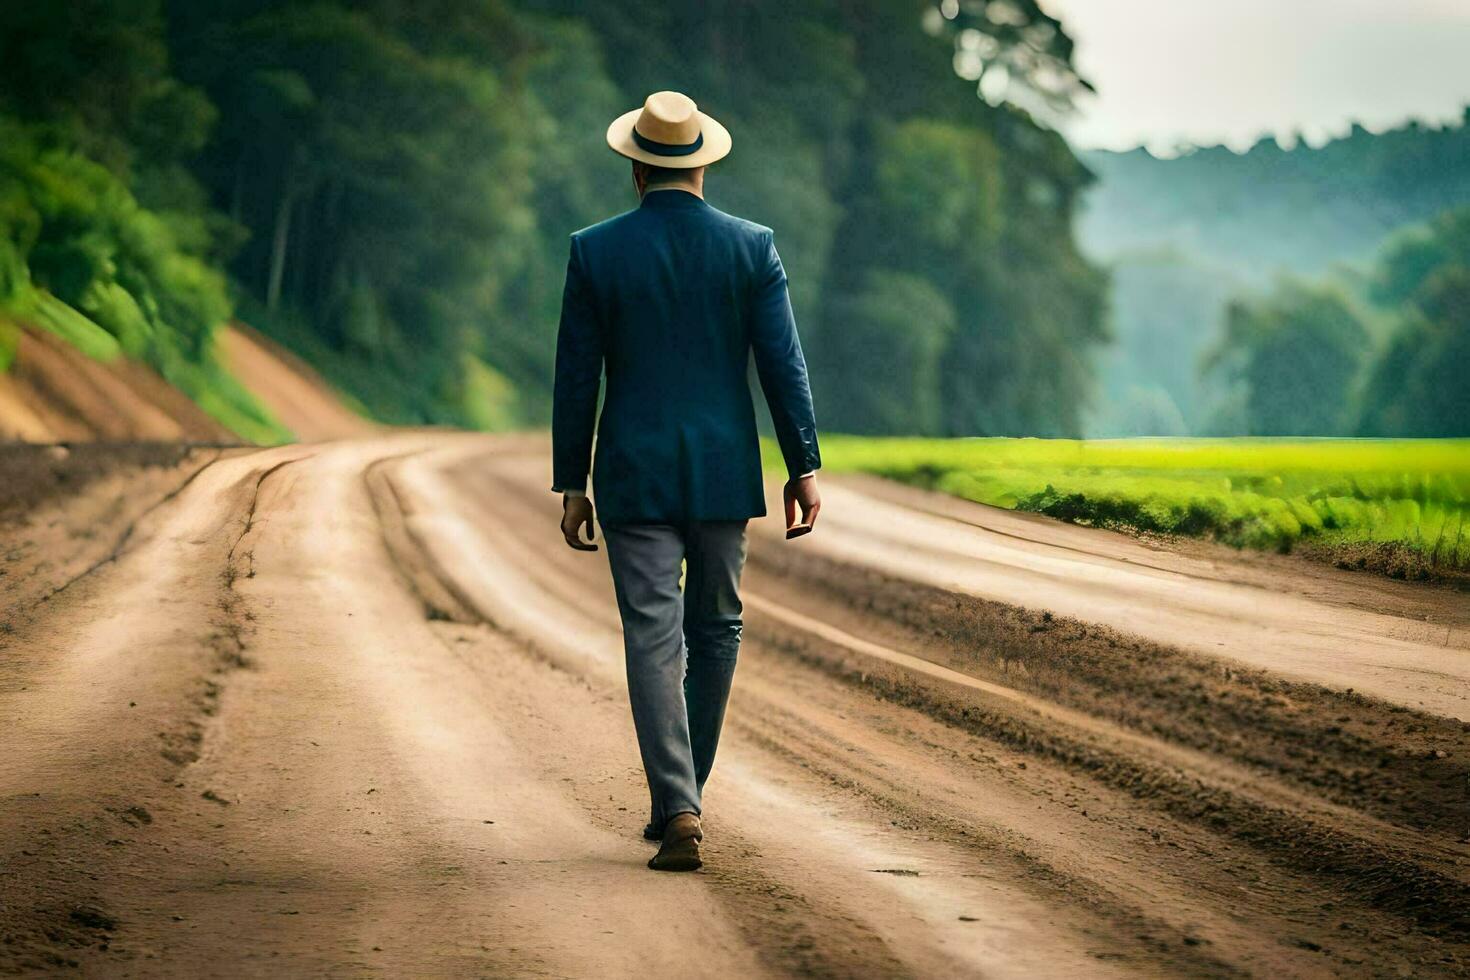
pixel 802 492
pixel 576 511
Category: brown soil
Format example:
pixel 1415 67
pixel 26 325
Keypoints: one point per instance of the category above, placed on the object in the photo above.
pixel 54 393
pixel 353 709
pixel 289 387
pixel 28 477
pixel 1409 767
pixel 66 512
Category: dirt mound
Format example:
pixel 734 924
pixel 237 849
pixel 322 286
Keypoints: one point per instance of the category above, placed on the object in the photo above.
pixel 55 393
pixel 288 386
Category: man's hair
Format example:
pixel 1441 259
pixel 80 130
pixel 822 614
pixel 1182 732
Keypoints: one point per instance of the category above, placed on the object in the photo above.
pixel 660 175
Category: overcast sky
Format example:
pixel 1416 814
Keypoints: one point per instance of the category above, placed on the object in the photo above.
pixel 1208 71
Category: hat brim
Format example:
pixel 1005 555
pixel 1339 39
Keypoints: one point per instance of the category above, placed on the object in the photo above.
pixel 716 143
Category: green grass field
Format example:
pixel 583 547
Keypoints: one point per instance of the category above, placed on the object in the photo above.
pixel 1396 505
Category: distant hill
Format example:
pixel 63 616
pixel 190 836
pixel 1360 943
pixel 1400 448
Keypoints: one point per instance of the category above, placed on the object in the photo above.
pixel 1270 209
pixel 1183 235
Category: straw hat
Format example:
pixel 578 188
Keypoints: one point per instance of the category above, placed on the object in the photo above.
pixel 669 131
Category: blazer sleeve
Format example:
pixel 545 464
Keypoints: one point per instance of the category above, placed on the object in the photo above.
pixel 780 365
pixel 579 357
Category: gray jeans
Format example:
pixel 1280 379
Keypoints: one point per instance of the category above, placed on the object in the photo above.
pixel 680 649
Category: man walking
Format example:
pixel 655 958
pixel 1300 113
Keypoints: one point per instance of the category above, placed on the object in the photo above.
pixel 670 301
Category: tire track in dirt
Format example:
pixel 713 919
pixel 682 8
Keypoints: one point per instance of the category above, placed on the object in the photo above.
pixel 58 541
pixel 1409 768
pixel 121 543
pixel 1274 623
pixel 109 703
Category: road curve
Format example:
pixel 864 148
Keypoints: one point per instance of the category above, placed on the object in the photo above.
pixel 1414 652
pixel 350 709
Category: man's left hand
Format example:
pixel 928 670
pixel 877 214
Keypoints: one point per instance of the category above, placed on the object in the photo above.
pixel 801 492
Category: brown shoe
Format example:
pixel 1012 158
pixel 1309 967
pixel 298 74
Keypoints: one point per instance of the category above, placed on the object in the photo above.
pixel 680 848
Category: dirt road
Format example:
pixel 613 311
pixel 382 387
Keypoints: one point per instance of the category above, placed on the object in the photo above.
pixel 351 709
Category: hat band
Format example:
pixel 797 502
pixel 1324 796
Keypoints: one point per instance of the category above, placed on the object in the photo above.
pixel 667 149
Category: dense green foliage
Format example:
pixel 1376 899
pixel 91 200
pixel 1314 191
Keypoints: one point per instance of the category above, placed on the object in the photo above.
pixel 1306 359
pixel 1420 383
pixel 104 236
pixel 372 151
pixel 1354 496
pixel 389 185
pixel 1186 236
pixel 80 257
pixel 1297 353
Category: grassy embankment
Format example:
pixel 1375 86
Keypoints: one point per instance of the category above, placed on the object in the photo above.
pixel 82 259
pixel 1398 506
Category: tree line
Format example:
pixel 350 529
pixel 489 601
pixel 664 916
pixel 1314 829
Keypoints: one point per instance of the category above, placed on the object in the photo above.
pixel 1198 247
pixel 1273 208
pixel 387 187
pixel 1382 354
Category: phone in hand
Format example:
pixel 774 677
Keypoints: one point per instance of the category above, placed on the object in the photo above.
pixel 797 530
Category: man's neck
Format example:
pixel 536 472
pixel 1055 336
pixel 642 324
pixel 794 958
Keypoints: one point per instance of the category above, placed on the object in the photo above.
pixel 678 186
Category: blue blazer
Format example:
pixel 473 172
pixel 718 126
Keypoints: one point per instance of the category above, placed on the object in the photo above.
pixel 670 301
